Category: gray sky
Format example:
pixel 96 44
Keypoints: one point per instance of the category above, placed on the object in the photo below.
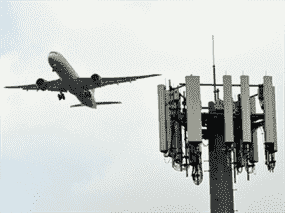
pixel 57 158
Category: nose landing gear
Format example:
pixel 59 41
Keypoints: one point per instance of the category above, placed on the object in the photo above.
pixel 61 96
pixel 54 67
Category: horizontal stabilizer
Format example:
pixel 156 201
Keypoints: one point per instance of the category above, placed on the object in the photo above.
pixel 97 103
pixel 77 105
pixel 101 103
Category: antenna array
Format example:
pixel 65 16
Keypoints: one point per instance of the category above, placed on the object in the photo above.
pixel 229 126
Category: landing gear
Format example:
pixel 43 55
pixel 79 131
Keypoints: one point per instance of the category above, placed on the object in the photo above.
pixel 61 96
pixel 54 67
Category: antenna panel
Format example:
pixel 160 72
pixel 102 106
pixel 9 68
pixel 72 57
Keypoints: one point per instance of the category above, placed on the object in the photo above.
pixel 162 118
pixel 193 101
pixel 228 108
pixel 245 109
pixel 269 111
pixel 177 133
pixel 168 118
pixel 176 126
pixel 254 152
pixel 274 119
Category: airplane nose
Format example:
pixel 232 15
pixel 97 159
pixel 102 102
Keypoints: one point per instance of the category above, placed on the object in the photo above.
pixel 52 58
pixel 53 52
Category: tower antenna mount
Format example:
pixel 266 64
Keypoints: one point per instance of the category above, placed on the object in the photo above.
pixel 214 71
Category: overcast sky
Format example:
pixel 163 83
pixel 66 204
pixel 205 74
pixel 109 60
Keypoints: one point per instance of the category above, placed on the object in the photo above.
pixel 56 158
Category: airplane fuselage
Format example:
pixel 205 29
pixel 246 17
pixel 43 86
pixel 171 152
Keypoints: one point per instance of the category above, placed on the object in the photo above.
pixel 69 78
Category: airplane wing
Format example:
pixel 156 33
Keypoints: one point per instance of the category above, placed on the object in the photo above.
pixel 54 85
pixel 109 81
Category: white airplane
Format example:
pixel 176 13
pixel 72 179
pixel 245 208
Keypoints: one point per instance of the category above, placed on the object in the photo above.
pixel 82 88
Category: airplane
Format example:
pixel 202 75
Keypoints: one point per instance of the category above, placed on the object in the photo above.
pixel 69 81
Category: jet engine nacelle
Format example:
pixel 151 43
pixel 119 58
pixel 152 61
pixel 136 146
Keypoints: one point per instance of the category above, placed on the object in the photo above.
pixel 41 83
pixel 96 77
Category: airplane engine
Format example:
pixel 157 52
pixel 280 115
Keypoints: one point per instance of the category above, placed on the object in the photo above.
pixel 41 83
pixel 97 79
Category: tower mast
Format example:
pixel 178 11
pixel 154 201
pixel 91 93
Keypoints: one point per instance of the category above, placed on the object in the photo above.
pixel 214 71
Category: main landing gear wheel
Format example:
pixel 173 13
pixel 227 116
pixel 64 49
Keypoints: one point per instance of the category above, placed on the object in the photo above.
pixel 61 96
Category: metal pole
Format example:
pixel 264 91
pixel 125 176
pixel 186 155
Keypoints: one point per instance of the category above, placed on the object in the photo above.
pixel 221 185
pixel 214 72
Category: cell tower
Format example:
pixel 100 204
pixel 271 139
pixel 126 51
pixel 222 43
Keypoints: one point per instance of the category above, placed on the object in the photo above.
pixel 230 128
